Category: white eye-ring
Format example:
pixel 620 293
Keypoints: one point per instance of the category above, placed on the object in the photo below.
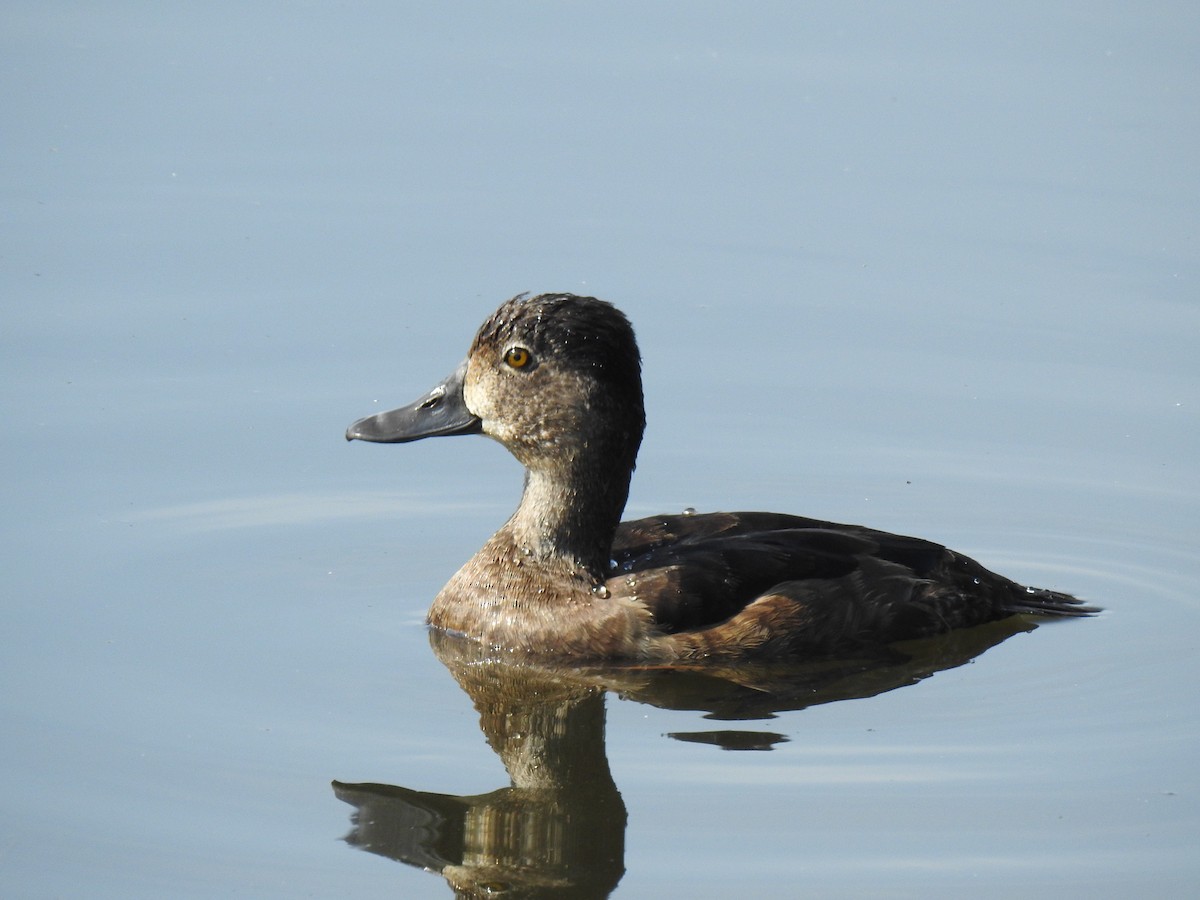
pixel 518 357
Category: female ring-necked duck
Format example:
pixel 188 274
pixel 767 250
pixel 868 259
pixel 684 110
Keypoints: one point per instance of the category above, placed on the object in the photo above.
pixel 557 380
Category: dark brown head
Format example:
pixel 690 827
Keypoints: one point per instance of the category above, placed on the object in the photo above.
pixel 556 378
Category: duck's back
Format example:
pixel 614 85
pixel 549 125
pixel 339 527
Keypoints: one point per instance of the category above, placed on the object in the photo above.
pixel 727 583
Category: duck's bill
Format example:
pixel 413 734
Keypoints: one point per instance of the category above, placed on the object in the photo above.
pixel 442 411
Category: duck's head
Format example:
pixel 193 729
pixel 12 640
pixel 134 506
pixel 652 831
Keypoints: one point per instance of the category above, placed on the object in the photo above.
pixel 556 378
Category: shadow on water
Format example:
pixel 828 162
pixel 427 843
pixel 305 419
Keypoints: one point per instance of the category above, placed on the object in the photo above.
pixel 558 829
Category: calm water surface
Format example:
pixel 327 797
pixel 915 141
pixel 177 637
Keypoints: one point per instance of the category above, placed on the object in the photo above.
pixel 933 270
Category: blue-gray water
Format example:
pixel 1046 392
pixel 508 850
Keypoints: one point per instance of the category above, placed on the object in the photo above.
pixel 928 267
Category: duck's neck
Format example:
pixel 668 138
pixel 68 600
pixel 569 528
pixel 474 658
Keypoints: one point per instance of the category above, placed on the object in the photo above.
pixel 569 512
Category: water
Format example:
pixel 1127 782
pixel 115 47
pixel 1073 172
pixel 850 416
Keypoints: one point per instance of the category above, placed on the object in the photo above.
pixel 933 270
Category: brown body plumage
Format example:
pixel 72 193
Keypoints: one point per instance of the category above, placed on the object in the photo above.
pixel 557 379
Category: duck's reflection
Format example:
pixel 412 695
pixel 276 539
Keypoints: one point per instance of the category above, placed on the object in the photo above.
pixel 559 829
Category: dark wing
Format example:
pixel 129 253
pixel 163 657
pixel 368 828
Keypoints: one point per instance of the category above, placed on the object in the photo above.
pixel 809 583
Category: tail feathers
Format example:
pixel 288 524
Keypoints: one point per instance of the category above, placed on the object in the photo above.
pixel 1041 602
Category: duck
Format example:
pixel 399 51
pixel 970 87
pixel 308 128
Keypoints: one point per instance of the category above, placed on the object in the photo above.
pixel 556 379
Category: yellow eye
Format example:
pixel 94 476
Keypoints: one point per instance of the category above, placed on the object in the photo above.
pixel 518 357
